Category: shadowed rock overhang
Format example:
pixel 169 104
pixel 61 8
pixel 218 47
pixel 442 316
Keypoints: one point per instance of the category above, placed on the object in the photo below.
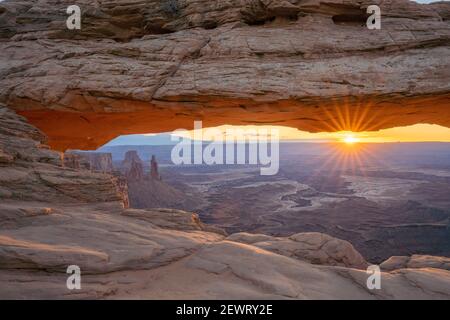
pixel 152 66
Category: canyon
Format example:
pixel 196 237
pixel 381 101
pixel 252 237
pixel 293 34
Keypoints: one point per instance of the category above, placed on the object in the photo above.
pixel 154 66
pixel 385 199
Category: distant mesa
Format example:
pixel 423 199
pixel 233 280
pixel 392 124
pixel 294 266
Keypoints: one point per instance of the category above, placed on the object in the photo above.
pixel 94 161
pixel 146 189
pixel 140 188
pixel 132 166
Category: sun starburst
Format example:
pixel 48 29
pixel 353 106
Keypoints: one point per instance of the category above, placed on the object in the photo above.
pixel 350 139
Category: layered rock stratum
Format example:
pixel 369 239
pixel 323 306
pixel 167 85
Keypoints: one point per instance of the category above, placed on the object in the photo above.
pixel 94 161
pixel 52 216
pixel 31 171
pixel 309 64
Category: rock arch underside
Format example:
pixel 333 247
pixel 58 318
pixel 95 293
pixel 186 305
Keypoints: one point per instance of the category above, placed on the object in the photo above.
pixel 147 66
pixel 153 66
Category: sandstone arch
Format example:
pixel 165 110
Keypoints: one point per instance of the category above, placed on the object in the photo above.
pixel 121 74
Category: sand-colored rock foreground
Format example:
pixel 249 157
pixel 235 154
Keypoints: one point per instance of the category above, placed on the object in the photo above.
pixel 170 255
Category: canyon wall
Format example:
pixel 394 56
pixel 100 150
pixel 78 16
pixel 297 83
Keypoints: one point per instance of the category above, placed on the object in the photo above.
pixel 94 161
pixel 30 171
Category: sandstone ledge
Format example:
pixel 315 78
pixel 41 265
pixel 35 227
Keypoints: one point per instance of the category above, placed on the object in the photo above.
pixel 127 257
pixel 416 262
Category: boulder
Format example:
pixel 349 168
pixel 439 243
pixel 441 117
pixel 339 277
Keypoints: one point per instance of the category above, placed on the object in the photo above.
pixel 316 248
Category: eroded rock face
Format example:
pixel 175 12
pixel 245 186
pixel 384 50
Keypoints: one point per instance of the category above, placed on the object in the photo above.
pixel 296 63
pixel 132 166
pixel 416 262
pixel 316 248
pixel 30 171
pixel 75 161
pixel 94 161
pixel 154 172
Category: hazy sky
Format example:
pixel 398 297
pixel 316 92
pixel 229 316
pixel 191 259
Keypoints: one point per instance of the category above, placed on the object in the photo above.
pixel 414 133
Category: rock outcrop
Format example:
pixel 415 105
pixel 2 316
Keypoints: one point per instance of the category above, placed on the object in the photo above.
pixel 75 161
pixel 316 248
pixel 147 190
pixel 307 64
pixel 132 167
pixel 154 172
pixel 94 161
pixel 416 262
pixel 30 171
